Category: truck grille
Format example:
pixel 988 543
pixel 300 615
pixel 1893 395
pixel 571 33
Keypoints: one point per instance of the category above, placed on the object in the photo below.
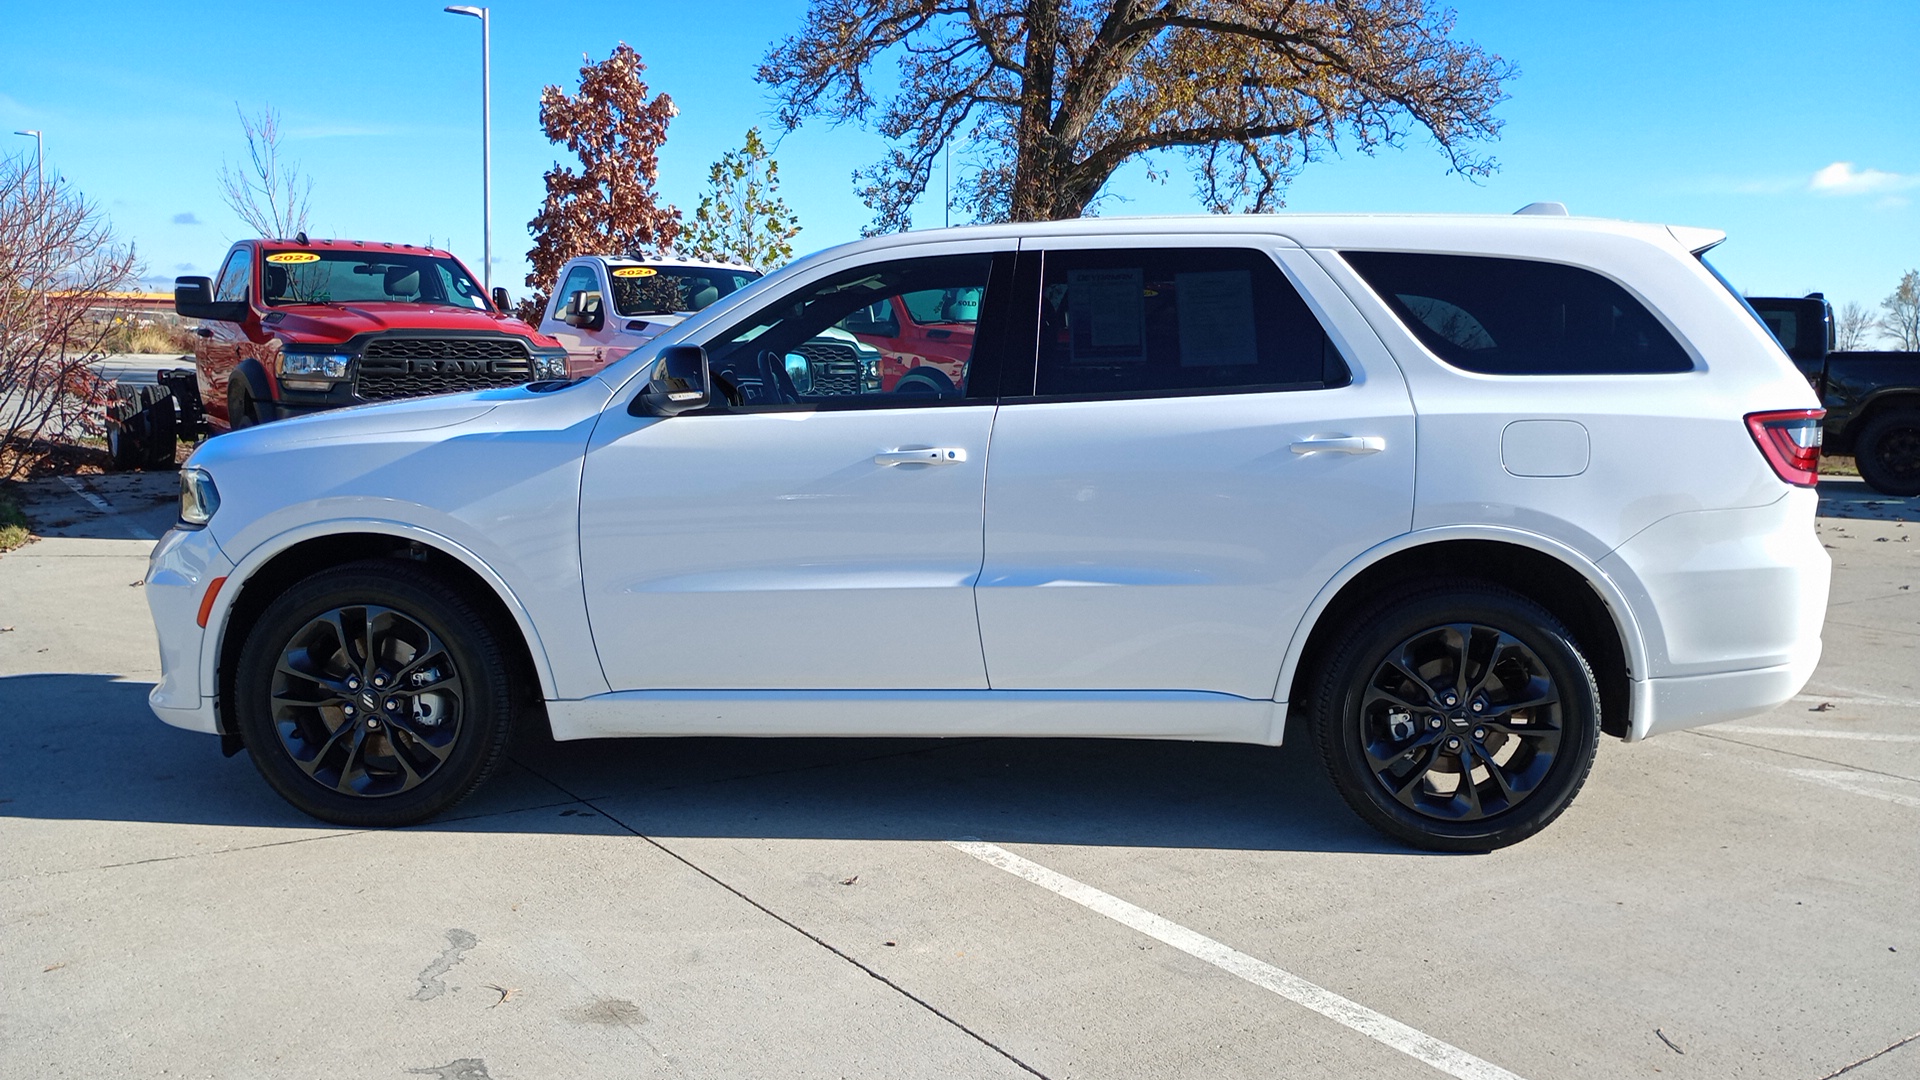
pixel 403 367
pixel 835 367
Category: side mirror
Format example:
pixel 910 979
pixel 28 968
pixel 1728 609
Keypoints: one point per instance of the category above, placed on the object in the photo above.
pixel 193 299
pixel 583 311
pixel 502 303
pixel 680 382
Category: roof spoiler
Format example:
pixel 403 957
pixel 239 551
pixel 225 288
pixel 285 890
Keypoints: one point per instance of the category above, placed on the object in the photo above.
pixel 1697 240
pixel 1551 209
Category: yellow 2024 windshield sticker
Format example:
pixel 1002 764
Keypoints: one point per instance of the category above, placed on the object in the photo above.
pixel 635 271
pixel 293 257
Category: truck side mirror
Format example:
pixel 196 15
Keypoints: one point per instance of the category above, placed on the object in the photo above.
pixel 680 382
pixel 583 311
pixel 502 303
pixel 193 299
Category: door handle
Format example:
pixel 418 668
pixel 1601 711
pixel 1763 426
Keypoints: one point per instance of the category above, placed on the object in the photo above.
pixel 932 455
pixel 1340 444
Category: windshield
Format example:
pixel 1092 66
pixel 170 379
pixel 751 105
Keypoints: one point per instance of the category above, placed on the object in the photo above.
pixel 350 277
pixel 671 290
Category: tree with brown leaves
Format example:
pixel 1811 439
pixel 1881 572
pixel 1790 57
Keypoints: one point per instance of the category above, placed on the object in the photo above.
pixel 59 263
pixel 1053 96
pixel 610 205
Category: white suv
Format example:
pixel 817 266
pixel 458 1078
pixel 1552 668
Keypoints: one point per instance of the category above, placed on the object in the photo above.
pixel 1459 493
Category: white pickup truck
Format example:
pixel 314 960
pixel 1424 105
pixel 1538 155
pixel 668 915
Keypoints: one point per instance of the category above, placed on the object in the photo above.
pixel 608 305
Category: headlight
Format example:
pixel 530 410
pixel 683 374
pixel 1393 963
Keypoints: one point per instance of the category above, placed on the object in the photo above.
pixel 870 374
pixel 198 497
pixel 549 366
pixel 314 365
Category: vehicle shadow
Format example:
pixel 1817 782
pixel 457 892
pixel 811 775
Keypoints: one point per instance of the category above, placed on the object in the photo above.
pixel 1848 497
pixel 79 746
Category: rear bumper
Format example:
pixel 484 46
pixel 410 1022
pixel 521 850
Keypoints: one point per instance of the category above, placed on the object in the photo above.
pixel 1687 701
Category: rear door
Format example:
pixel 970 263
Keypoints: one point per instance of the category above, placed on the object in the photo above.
pixel 1193 458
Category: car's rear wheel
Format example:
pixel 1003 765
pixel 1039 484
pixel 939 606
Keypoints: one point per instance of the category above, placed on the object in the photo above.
pixel 1887 453
pixel 1458 719
pixel 373 694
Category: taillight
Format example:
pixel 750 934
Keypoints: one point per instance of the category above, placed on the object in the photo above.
pixel 1790 439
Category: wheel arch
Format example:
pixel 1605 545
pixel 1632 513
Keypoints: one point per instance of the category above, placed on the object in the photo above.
pixel 1561 579
pixel 1877 403
pixel 300 552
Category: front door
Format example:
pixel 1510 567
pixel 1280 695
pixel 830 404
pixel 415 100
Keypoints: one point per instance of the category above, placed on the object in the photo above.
pixel 1195 458
pixel 809 531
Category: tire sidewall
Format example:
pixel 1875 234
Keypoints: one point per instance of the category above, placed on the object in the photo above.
pixel 486 716
pixel 1338 720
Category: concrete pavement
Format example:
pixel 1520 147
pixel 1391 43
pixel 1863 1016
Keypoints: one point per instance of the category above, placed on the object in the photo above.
pixel 1735 902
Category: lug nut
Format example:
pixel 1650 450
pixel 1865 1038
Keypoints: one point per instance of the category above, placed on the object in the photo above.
pixel 379 680
pixel 1434 723
pixel 392 705
pixel 1453 744
pixel 1449 700
pixel 372 723
pixel 1479 706
pixel 1479 733
pixel 348 709
pixel 353 683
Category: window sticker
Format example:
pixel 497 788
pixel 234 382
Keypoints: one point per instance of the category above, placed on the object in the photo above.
pixel 635 271
pixel 293 257
pixel 1216 318
pixel 1108 313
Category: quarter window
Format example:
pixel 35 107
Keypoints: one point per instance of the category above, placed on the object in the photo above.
pixel 834 343
pixel 1519 316
pixel 1176 320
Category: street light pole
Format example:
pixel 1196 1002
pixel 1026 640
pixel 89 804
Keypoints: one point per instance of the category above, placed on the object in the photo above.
pixel 39 164
pixel 40 197
pixel 486 139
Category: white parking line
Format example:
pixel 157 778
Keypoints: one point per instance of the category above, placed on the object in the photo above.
pixel 1858 783
pixel 1381 1028
pixel 1809 733
pixel 103 506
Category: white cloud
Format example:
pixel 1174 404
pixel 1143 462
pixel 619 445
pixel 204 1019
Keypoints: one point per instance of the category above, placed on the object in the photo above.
pixel 1845 178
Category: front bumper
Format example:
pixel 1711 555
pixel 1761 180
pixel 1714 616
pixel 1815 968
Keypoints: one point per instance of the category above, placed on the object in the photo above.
pixel 183 566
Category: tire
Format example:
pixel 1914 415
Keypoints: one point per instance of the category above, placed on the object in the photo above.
pixel 1393 741
pixel 240 411
pixel 925 380
pixel 141 427
pixel 1887 453
pixel 425 746
pixel 163 431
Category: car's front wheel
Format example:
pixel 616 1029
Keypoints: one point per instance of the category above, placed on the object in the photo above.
pixel 1458 719
pixel 373 695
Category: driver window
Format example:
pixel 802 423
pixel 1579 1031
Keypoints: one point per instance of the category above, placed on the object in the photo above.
pixel 836 343
pixel 581 279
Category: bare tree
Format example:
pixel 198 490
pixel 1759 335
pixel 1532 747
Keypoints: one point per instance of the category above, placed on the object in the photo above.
pixel 1051 97
pixel 1900 313
pixel 610 204
pixel 742 217
pixel 270 193
pixel 1853 326
pixel 58 262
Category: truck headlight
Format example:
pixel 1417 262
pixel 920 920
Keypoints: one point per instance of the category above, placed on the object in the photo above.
pixel 549 366
pixel 198 497
pixel 314 365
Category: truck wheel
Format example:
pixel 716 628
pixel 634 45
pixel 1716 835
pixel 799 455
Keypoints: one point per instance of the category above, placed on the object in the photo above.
pixel 1887 452
pixel 141 427
pixel 1462 718
pixel 373 695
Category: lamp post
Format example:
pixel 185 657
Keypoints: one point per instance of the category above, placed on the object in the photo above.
pixel 486 139
pixel 39 164
pixel 40 196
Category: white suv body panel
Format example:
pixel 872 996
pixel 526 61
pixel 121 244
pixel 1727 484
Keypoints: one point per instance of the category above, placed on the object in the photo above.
pixel 1706 561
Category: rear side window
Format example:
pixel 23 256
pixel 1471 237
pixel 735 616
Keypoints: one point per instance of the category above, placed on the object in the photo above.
pixel 1520 317
pixel 1147 321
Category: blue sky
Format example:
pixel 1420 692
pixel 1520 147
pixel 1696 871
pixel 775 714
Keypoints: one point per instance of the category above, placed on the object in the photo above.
pixel 1793 133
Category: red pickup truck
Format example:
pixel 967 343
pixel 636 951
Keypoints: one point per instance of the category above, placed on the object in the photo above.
pixel 290 327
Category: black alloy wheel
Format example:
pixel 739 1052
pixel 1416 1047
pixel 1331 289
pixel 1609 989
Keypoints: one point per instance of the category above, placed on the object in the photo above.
pixel 372 694
pixel 1887 453
pixel 1462 719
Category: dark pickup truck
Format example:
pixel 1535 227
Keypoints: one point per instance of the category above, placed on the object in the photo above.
pixel 1872 398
